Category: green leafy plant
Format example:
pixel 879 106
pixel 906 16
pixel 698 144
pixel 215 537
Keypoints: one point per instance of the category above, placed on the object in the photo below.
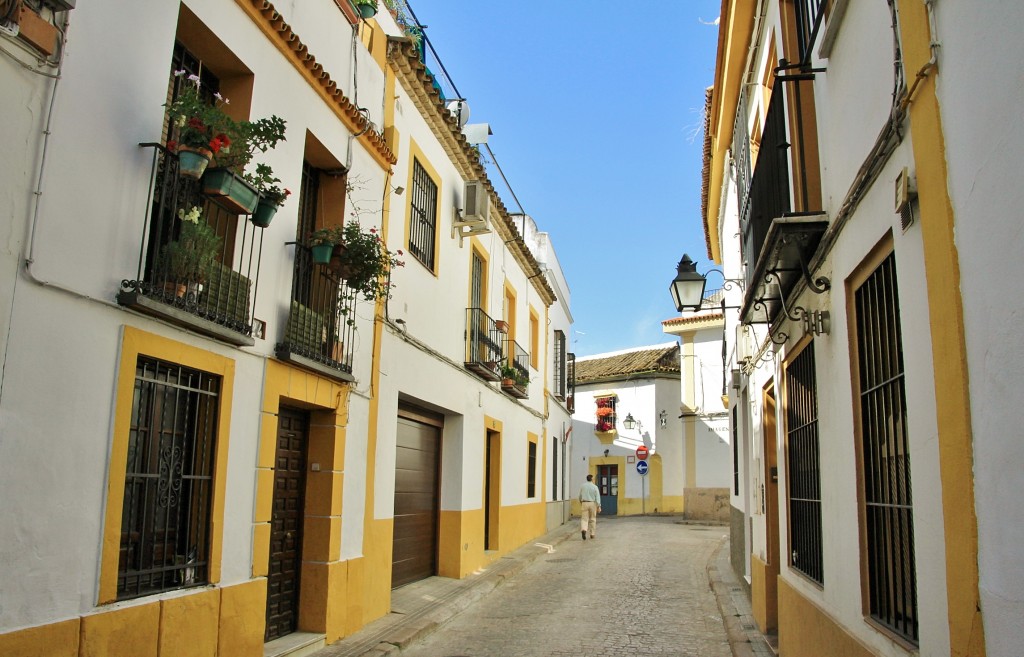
pixel 201 122
pixel 509 372
pixel 324 236
pixel 267 185
pixel 190 258
pixel 366 263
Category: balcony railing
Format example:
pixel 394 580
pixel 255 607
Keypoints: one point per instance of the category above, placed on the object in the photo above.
pixel 217 301
pixel 484 345
pixel 809 16
pixel 320 332
pixel 778 243
pixel 519 385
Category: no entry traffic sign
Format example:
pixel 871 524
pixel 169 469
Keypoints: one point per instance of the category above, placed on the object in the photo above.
pixel 641 452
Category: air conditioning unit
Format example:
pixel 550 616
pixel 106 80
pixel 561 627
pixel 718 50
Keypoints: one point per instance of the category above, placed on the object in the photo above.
pixel 744 344
pixel 477 204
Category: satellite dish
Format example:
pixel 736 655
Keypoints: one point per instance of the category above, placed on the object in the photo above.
pixel 460 110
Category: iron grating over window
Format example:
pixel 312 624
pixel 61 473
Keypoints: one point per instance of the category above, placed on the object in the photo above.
pixel 423 228
pixel 885 455
pixel 531 475
pixel 559 383
pixel 809 16
pixel 165 520
pixel 804 472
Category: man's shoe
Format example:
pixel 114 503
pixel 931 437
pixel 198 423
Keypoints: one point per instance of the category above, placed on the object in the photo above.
pixel 584 535
pixel 591 536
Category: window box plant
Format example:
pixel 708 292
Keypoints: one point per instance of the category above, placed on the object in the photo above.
pixel 508 376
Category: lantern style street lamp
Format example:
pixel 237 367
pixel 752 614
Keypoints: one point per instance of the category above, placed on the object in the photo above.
pixel 688 286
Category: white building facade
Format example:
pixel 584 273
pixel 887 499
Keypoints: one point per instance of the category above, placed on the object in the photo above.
pixel 203 468
pixel 864 351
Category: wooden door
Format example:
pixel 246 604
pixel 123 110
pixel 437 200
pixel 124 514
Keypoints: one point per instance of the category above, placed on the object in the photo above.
pixel 286 524
pixel 417 461
pixel 608 485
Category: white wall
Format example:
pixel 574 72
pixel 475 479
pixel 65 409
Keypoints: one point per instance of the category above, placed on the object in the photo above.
pixel 980 91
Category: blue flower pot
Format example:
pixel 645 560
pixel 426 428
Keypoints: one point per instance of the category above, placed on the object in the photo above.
pixel 264 213
pixel 322 253
pixel 192 163
pixel 230 191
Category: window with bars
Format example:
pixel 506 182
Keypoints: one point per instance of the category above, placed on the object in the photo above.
pixel 606 418
pixel 423 219
pixel 554 471
pixel 559 366
pixel 165 519
pixel 804 471
pixel 531 474
pixel 885 454
pixel 809 15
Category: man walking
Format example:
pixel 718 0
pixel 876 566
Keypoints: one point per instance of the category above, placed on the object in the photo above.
pixel 590 506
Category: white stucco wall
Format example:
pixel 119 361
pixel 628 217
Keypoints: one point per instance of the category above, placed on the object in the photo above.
pixel 980 90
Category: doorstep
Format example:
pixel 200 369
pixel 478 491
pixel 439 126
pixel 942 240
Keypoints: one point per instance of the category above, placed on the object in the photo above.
pixel 296 644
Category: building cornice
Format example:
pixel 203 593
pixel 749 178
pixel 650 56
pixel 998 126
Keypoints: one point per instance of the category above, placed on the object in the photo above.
pixel 419 83
pixel 274 27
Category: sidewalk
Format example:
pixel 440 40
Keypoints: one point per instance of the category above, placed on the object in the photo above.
pixel 422 607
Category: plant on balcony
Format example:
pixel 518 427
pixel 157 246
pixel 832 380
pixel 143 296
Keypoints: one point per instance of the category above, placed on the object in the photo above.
pixel 508 375
pixel 271 194
pixel 366 8
pixel 321 243
pixel 189 259
pixel 202 124
pixel 365 262
pixel 201 127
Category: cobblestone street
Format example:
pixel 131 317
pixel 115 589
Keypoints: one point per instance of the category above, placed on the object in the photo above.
pixel 640 588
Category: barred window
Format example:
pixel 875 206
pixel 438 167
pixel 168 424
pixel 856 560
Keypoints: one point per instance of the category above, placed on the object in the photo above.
pixel 531 475
pixel 559 366
pixel 165 520
pixel 885 455
pixel 804 473
pixel 423 222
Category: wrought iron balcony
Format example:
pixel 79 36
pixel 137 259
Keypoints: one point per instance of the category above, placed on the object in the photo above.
pixel 570 400
pixel 519 383
pixel 320 332
pixel 777 243
pixel 204 277
pixel 484 345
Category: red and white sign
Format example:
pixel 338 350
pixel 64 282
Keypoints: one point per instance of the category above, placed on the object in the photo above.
pixel 641 452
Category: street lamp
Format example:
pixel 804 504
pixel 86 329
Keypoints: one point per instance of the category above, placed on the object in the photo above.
pixel 629 422
pixel 688 286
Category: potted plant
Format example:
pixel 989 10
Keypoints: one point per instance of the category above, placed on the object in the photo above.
pixel 501 325
pixel 187 261
pixel 271 195
pixel 509 375
pixel 365 262
pixel 321 243
pixel 200 125
pixel 203 123
pixel 366 8
pixel 225 182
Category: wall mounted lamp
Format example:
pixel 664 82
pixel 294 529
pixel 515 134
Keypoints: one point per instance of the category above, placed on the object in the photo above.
pixel 687 288
pixel 663 419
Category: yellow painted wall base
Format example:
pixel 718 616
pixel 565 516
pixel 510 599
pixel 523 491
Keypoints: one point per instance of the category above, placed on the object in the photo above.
pixel 226 622
pixel 57 640
pixel 807 631
pixel 764 595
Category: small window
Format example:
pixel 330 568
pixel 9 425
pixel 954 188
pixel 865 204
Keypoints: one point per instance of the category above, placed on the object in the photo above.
pixel 423 217
pixel 531 475
pixel 559 366
pixel 165 520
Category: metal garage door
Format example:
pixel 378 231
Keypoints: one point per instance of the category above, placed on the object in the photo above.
pixel 417 464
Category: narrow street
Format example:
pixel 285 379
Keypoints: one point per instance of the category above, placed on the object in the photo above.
pixel 640 588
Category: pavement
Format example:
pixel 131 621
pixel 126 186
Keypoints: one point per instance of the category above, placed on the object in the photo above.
pixel 420 608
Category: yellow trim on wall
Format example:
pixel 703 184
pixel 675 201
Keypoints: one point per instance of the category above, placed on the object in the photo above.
pixel 508 311
pixel 189 624
pixel 135 342
pixel 54 640
pixel 534 338
pixel 805 630
pixel 946 318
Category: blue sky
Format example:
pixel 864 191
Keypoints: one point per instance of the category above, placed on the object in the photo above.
pixel 596 109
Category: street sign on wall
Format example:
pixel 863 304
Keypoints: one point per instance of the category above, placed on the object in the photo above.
pixel 641 467
pixel 641 452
